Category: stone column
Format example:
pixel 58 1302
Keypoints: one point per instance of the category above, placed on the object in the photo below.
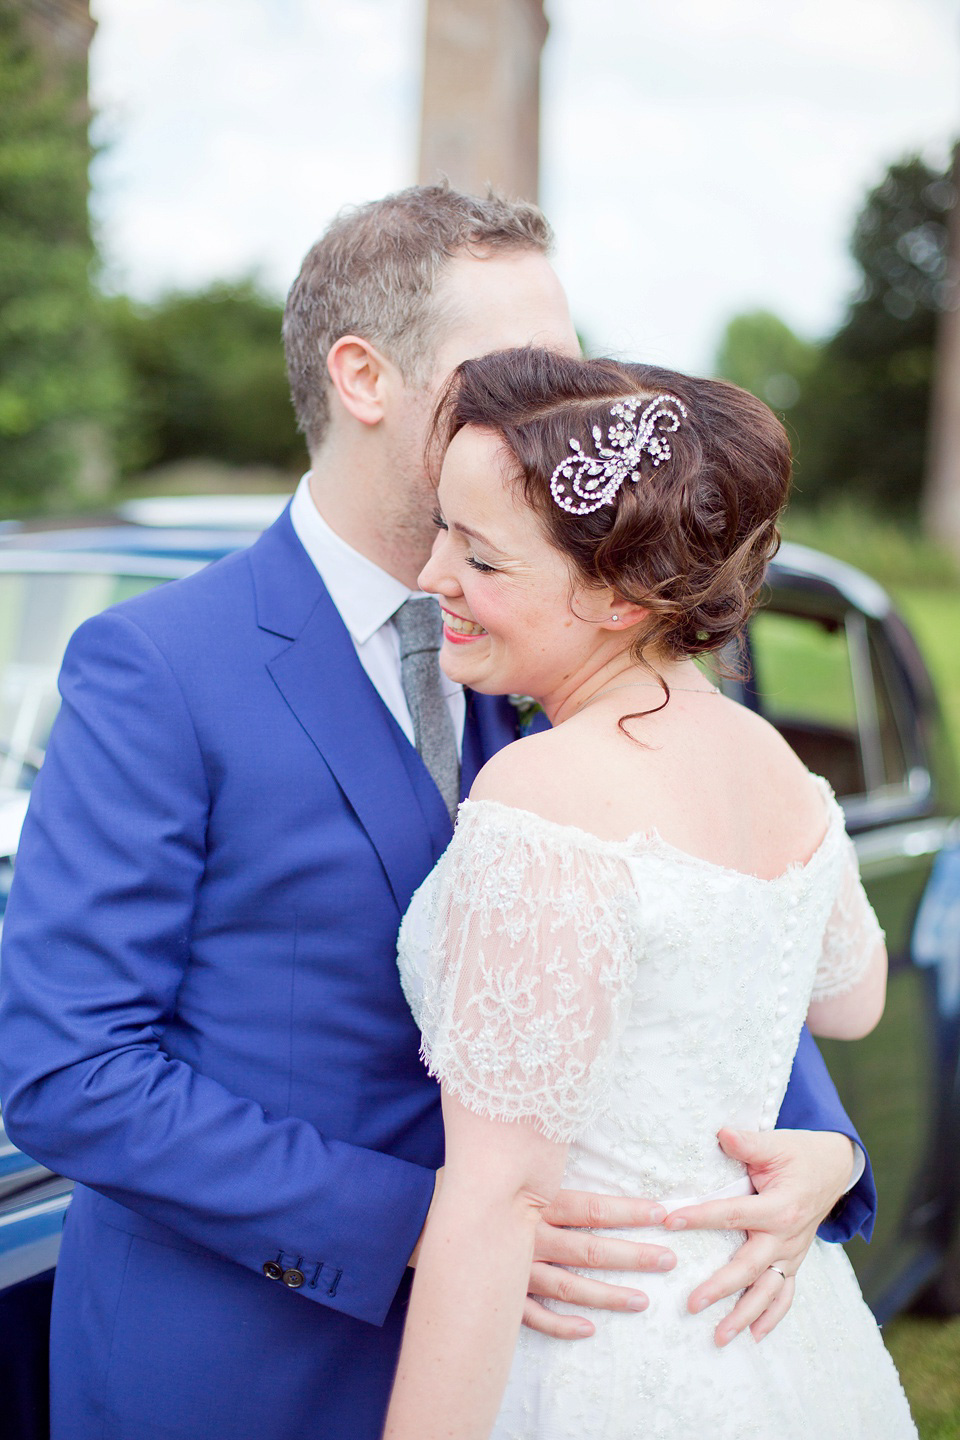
pixel 64 27
pixel 941 500
pixel 480 117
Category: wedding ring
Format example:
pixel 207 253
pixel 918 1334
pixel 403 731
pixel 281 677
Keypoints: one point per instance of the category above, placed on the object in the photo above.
pixel 778 1270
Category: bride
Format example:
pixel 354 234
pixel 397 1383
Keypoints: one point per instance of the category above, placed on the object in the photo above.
pixel 638 910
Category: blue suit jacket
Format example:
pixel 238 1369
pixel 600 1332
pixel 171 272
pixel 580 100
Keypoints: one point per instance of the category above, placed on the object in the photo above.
pixel 201 1017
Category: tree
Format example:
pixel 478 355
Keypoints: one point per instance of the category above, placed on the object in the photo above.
pixel 208 378
pixel 860 400
pixel 60 388
pixel 763 355
pixel 941 500
pixel 864 415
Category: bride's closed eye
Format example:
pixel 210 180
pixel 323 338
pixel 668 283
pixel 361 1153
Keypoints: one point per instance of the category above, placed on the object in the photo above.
pixel 471 560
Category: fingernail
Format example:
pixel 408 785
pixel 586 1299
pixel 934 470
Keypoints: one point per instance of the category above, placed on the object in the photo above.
pixel 657 1214
pixel 677 1223
pixel 725 1336
pixel 637 1302
pixel 699 1305
pixel 583 1327
pixel 666 1262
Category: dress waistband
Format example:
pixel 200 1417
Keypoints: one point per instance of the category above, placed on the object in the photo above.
pixel 743 1186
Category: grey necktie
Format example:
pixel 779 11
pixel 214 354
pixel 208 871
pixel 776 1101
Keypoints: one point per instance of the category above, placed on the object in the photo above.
pixel 420 629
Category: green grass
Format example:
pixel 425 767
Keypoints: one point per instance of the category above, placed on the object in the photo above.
pixel 927 1354
pixel 925 584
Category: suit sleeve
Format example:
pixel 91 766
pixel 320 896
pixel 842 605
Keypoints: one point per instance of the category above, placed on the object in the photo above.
pixel 812 1103
pixel 96 942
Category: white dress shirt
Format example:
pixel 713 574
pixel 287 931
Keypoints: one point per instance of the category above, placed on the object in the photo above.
pixel 367 599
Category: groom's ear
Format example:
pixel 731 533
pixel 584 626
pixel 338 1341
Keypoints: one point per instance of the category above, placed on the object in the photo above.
pixel 360 376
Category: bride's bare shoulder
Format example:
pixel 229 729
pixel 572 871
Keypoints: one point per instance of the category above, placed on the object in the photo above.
pixel 523 774
pixel 775 769
pixel 565 775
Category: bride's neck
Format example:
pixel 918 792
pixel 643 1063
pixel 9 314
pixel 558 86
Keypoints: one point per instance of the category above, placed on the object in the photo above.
pixel 620 675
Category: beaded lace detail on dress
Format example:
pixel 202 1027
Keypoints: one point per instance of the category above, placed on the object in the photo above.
pixel 852 935
pixel 531 971
pixel 630 999
pixel 535 934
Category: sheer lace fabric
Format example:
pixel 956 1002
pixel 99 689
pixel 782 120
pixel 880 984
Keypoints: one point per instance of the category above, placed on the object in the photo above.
pixel 631 999
pixel 852 936
pixel 532 963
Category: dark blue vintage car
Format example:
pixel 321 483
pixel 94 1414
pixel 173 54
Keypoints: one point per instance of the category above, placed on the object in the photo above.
pixel 828 661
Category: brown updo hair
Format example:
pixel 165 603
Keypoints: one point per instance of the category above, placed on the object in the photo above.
pixel 691 540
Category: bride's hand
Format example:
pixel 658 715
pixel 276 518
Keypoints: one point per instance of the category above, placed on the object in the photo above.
pixel 799 1176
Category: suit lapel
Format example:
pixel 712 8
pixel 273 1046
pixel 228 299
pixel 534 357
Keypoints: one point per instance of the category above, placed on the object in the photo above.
pixel 326 687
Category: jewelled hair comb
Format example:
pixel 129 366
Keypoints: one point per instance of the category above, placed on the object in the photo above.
pixel 583 483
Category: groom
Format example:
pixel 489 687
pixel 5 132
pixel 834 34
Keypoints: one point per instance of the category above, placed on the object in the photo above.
pixel 201 1019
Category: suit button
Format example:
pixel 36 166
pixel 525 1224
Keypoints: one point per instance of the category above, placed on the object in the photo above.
pixel 293 1279
pixel 272 1270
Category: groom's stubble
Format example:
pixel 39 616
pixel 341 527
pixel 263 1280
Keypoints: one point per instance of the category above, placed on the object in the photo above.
pixel 483 302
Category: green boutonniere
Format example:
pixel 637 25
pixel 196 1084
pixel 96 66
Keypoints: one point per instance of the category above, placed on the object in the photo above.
pixel 527 711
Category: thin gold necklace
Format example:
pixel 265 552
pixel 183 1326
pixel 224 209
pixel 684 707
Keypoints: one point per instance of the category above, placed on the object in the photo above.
pixel 650 685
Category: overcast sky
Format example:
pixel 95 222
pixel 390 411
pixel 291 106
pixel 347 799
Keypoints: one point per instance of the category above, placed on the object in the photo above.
pixel 697 160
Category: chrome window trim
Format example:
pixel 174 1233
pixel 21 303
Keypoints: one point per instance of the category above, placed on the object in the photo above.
pixel 882 852
pixel 45 562
pixel 868 638
pixel 890 802
pixel 18 1208
pixel 865 701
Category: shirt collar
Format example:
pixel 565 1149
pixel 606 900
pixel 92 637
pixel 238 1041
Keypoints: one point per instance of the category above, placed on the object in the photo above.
pixel 365 595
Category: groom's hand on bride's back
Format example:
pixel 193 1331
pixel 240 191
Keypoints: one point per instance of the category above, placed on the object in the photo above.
pixel 799 1175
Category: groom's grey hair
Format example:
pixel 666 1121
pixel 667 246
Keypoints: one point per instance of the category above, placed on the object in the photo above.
pixel 374 272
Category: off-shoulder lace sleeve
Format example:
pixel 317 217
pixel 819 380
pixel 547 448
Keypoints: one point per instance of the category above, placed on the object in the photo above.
pixel 533 951
pixel 852 936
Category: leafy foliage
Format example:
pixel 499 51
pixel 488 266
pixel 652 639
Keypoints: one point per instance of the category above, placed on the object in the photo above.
pixel 859 419
pixel 90 385
pixel 763 355
pixel 60 389
pixel 208 378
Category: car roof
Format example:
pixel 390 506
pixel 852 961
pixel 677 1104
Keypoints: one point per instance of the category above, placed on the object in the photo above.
pixel 193 528
pixel 171 535
pixel 799 566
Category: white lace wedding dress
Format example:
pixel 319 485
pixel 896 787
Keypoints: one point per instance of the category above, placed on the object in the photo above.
pixel 632 999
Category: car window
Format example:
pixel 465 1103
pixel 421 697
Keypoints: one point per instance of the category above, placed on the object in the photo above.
pixel 825 682
pixel 38 614
pixel 805 687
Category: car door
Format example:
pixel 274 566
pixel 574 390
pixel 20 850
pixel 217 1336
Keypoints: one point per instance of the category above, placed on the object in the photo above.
pixel 43 598
pixel 827 676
